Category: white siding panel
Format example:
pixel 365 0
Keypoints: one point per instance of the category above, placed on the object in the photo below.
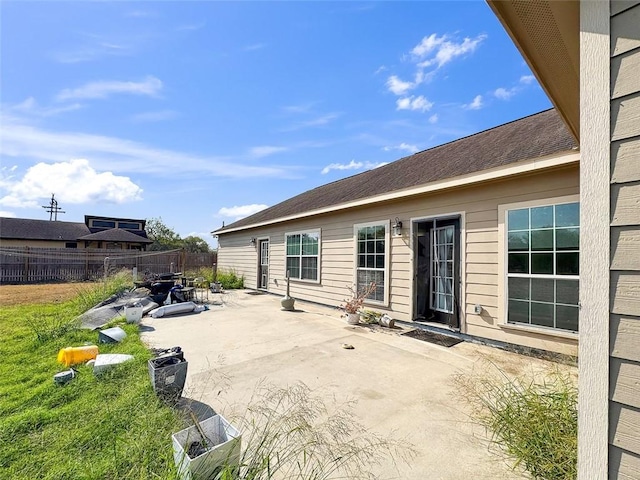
pixel 625 248
pixel 625 166
pixel 625 117
pixel 623 465
pixel 623 427
pixel 624 74
pixel 624 339
pixel 625 204
pixel 624 31
pixel 625 293
pixel 624 382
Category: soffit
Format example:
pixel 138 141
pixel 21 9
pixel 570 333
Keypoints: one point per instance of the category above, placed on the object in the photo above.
pixel 547 33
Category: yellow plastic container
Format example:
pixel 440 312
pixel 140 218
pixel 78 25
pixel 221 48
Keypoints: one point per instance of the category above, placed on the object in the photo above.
pixel 74 355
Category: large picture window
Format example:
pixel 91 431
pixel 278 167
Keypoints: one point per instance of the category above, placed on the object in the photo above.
pixel 303 255
pixel 371 259
pixel 543 245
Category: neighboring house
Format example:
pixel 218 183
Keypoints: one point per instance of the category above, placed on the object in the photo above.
pixel 479 235
pixel 95 232
pixel 586 55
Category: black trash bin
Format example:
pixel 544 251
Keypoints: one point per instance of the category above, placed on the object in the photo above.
pixel 168 373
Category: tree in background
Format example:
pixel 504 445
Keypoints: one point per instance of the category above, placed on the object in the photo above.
pixel 195 244
pixel 165 238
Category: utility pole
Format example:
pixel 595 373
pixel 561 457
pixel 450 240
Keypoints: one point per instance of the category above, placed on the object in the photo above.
pixel 53 208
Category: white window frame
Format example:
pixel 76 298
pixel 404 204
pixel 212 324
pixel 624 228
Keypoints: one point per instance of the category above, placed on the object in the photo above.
pixel 387 258
pixel 317 231
pixel 503 263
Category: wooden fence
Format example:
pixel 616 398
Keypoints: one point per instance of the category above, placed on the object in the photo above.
pixel 33 265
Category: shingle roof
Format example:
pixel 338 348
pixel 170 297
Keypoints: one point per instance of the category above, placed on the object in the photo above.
pixel 528 138
pixel 29 229
pixel 115 235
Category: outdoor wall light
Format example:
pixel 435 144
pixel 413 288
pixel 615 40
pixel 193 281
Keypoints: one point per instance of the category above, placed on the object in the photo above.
pixel 253 241
pixel 397 228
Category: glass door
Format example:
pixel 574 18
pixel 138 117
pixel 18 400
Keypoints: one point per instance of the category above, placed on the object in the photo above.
pixel 263 265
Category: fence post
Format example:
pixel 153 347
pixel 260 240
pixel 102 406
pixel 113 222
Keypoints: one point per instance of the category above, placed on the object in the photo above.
pixel 25 277
pixel 106 268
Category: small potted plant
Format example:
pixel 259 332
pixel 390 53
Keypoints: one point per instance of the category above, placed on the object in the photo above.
pixel 351 306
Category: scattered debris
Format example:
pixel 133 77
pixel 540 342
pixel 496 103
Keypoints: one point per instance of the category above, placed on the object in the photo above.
pixel 64 377
pixel 174 309
pixel 74 355
pixel 111 335
pixel 106 361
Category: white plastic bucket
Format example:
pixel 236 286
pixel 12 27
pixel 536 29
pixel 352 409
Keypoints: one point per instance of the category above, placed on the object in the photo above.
pixel 133 314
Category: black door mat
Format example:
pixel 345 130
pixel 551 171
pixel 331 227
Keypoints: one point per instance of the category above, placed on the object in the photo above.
pixel 435 338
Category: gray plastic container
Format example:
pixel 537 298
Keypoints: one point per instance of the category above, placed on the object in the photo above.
pixel 168 374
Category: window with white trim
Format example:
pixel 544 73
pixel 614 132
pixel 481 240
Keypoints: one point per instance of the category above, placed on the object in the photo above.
pixel 371 260
pixel 302 255
pixel 543 250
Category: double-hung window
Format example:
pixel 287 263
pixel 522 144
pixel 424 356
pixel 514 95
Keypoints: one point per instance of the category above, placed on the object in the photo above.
pixel 371 258
pixel 542 265
pixel 303 255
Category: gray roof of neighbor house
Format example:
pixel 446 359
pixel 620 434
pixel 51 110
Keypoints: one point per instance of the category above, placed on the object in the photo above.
pixel 528 138
pixel 115 235
pixel 29 229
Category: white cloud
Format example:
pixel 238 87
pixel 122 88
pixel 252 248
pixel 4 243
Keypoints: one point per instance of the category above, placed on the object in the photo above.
pixel 73 182
pixel 476 104
pixel 314 122
pixel 380 69
pixel 30 107
pixel 445 50
pixel 504 93
pixel 157 116
pixel 255 46
pixel 352 165
pixel 20 140
pixel 410 103
pixel 7 214
pixel 150 86
pixel 433 118
pixel 241 211
pixel 527 79
pixel 403 146
pixel 266 150
pixel 92 51
pixel 191 27
pixel 399 87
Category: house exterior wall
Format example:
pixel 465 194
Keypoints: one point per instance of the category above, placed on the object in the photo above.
pixel 624 338
pixel 480 230
pixel 38 243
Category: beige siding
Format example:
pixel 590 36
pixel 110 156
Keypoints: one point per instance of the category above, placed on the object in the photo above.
pixel 479 208
pixel 37 243
pixel 624 366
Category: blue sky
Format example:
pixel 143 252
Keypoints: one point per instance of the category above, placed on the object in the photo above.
pixel 204 112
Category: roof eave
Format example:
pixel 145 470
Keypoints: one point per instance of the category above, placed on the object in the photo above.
pixel 526 166
pixel 547 33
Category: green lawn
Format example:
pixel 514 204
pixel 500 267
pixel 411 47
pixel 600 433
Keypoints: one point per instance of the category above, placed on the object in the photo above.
pixel 107 427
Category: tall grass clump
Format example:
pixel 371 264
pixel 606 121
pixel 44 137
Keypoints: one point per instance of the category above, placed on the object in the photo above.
pixel 50 322
pixel 535 423
pixel 289 433
pixel 230 279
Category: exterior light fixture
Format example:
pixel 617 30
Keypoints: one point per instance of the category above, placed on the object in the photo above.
pixel 253 241
pixel 397 227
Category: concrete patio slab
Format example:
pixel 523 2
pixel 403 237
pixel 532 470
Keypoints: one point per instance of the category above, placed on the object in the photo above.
pixel 400 384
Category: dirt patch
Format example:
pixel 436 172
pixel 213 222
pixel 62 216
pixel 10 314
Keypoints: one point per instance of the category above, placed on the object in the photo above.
pixel 40 293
